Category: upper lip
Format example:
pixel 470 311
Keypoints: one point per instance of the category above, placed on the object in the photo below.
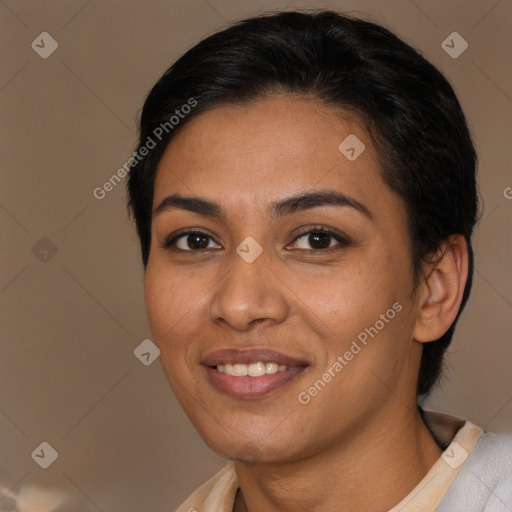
pixel 250 355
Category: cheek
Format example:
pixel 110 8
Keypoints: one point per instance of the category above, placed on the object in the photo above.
pixel 167 317
pixel 354 295
pixel 175 306
pixel 351 305
pixel 156 300
pixel 164 306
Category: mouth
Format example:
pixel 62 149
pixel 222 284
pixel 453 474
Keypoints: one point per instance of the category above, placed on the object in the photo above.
pixel 251 373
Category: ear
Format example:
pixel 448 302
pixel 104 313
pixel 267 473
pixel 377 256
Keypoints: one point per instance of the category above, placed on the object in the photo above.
pixel 441 290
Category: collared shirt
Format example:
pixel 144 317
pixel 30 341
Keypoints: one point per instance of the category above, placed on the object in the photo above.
pixel 435 492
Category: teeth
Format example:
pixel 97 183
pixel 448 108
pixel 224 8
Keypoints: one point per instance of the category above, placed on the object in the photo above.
pixel 240 370
pixel 271 368
pixel 252 370
pixel 256 369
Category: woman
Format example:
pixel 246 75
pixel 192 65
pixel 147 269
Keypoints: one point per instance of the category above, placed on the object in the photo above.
pixel 304 193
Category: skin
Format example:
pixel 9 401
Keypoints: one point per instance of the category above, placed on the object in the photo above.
pixel 362 431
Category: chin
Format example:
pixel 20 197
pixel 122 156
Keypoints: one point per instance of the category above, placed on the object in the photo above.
pixel 253 451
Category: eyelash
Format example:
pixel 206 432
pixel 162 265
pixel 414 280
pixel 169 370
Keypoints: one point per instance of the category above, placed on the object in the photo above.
pixel 342 240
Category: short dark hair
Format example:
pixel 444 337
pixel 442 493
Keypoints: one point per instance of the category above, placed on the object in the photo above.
pixel 406 105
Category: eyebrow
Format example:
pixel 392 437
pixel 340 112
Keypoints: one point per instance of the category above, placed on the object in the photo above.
pixel 293 204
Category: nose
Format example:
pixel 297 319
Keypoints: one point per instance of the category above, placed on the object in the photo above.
pixel 249 294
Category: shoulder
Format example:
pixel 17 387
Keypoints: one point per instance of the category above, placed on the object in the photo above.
pixel 484 482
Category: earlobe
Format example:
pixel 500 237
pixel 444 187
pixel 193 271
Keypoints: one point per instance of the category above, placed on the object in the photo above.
pixel 442 290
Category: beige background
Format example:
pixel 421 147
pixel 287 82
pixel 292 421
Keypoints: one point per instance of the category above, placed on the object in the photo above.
pixel 68 375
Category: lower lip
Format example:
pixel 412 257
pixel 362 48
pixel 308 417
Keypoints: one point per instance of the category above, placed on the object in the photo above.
pixel 251 387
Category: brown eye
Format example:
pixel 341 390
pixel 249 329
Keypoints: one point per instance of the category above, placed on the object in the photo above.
pixel 321 239
pixel 190 241
pixel 197 241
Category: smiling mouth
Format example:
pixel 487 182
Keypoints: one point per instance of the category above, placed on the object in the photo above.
pixel 249 373
pixel 252 380
pixel 257 369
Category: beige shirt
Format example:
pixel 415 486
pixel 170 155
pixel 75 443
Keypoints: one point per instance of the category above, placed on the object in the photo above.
pixel 459 436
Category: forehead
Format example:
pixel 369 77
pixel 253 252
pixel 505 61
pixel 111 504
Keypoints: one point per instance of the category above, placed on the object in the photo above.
pixel 257 152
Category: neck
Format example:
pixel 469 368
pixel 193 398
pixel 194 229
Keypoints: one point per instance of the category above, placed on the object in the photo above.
pixel 372 471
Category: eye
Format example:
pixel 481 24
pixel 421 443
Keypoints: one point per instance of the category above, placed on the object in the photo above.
pixel 189 241
pixel 318 238
pixel 321 239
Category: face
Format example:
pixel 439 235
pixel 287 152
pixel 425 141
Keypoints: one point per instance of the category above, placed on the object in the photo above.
pixel 293 264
